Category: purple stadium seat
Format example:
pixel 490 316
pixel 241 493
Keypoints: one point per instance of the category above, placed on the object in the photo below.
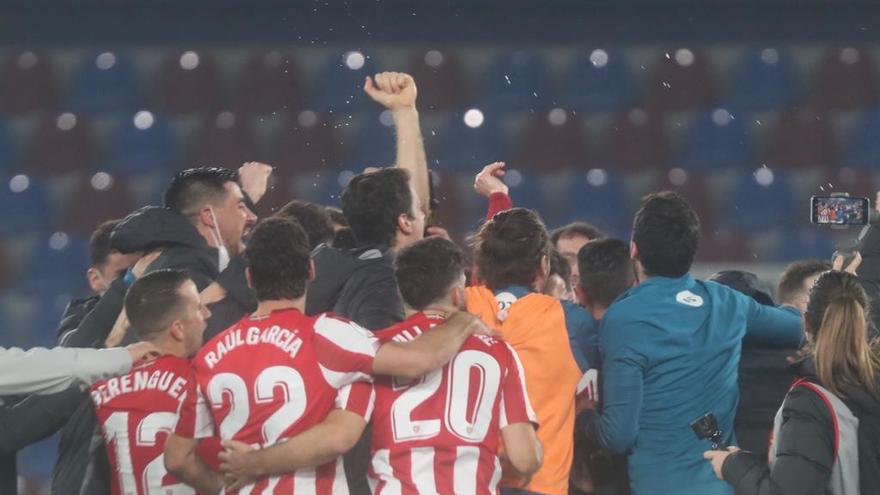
pixel 635 140
pixel 802 138
pixel 307 142
pixel 187 83
pixel 269 82
pixel 225 140
pixel 846 79
pixel 96 199
pixel 442 85
pixel 60 144
pixel 681 80
pixel 551 141
pixel 27 82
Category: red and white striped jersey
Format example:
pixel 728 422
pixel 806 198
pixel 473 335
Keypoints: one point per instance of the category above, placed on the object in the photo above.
pixel 441 433
pixel 265 380
pixel 137 411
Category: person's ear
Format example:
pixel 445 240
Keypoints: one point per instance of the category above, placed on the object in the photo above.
pixel 312 273
pixel 633 251
pixel 579 293
pixel 96 281
pixel 177 332
pixel 404 224
pixel 248 277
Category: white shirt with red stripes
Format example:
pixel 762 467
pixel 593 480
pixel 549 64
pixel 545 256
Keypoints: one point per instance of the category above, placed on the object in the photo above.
pixel 441 433
pixel 266 380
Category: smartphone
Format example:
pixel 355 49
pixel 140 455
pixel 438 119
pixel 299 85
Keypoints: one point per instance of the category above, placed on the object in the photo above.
pixel 839 210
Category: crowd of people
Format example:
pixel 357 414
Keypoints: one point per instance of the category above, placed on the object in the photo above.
pixel 363 351
pixel 839 211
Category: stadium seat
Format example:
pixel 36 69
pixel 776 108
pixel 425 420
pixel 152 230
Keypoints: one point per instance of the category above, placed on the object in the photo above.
pixel 61 144
pixel 863 149
pixel 802 138
pixel 599 81
pixel 269 82
pixel 526 190
pixel 442 85
pixel 224 140
pixel 766 79
pixel 57 265
pixel 142 143
pixel 96 199
pixel 373 146
pixel 466 149
pixel 307 142
pixel 596 195
pixel 693 186
pixel 104 82
pixel 551 141
pixel 716 140
pixel 846 79
pixel 723 245
pixel 855 181
pixel 339 89
pixel 805 243
pixel 27 83
pixel 635 140
pixel 8 148
pixel 187 82
pixel 761 201
pixel 29 199
pixel 681 79
pixel 516 81
pixel 323 187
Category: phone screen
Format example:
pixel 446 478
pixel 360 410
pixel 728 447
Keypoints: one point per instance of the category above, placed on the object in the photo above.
pixel 839 210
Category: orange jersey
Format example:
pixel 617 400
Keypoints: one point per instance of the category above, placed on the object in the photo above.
pixel 534 325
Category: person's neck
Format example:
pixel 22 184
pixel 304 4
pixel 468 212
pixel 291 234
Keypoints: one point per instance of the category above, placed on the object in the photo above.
pixel 438 310
pixel 170 347
pixel 265 308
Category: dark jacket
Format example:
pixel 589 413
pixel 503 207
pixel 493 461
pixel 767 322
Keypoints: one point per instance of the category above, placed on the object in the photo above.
pixel 805 446
pixel 765 376
pixel 27 421
pixel 357 284
pixel 185 249
pixel 73 315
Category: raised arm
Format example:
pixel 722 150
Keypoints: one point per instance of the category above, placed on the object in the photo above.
pixel 397 92
pixel 488 183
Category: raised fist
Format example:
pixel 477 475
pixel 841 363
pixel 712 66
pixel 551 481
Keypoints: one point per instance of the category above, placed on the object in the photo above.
pixel 393 90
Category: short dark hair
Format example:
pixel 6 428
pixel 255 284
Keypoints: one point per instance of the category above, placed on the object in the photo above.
pixel 791 282
pixel 313 218
pixel 666 231
pixel 372 203
pixel 582 229
pixel 154 301
pixel 559 266
pixel 99 243
pixel 606 270
pixel 425 270
pixel 336 216
pixel 509 248
pixel 278 258
pixel 193 187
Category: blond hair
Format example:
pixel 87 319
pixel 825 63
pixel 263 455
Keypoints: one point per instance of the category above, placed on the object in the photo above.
pixel 837 319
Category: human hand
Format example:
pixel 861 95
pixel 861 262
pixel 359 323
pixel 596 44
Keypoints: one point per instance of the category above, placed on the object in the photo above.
pixel 236 466
pixel 140 268
pixel 853 266
pixel 143 351
pixel 435 231
pixel 717 458
pixel 254 177
pixel 392 90
pixel 488 181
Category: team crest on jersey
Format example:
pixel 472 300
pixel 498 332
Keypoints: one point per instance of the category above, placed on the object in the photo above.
pixel 688 298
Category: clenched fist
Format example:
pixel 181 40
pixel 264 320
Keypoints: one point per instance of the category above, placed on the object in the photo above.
pixel 393 90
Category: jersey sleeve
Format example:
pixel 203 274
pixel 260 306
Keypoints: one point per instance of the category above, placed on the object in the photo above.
pixel 359 398
pixel 194 418
pixel 515 406
pixel 345 351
